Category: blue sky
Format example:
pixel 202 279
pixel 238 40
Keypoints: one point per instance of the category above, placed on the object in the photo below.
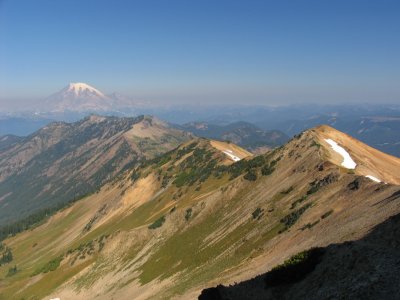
pixel 188 51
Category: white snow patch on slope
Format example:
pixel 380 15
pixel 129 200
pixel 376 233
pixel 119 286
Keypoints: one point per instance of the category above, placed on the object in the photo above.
pixel 231 155
pixel 348 162
pixel 79 87
pixel 373 178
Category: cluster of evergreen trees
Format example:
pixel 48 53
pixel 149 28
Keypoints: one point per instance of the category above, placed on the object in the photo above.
pixel 157 223
pixel 251 166
pixel 35 218
pixel 6 255
pixel 25 223
pixel 290 219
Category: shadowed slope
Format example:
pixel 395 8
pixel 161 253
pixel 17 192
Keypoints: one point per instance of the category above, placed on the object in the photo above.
pixel 363 269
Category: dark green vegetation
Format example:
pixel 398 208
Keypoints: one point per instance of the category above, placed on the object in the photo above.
pixel 188 174
pixel 23 224
pixel 295 268
pixel 198 161
pixel 287 191
pixel 196 167
pixel 157 223
pixel 87 249
pixel 313 189
pixel 6 255
pixel 268 169
pixel 290 219
pixel 298 201
pixel 102 211
pixel 309 225
pixel 315 144
pixel 355 184
pixel 327 214
pixel 32 220
pixel 250 175
pixel 135 176
pixel 317 184
pixel 50 266
pixel 252 166
pixel 244 166
pixel 188 214
pixel 257 213
pixel 201 163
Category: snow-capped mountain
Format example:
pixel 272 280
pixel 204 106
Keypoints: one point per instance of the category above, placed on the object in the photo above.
pixel 78 97
pixel 81 90
pixel 81 97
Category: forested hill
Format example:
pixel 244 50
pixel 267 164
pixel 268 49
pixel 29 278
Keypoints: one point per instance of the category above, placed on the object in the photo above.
pixel 63 162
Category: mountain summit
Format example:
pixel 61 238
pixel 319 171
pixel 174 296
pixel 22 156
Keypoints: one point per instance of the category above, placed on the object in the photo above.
pixel 78 97
pixel 82 97
pixel 80 89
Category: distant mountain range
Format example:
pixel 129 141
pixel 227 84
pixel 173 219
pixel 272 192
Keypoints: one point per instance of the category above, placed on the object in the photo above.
pixel 243 134
pixel 250 126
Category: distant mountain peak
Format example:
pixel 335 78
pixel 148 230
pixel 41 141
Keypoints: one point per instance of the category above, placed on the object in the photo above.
pixel 82 97
pixel 79 88
pixel 79 96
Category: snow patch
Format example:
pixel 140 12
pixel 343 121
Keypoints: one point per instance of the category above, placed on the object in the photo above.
pixel 231 155
pixel 373 178
pixel 348 162
pixel 55 299
pixel 78 87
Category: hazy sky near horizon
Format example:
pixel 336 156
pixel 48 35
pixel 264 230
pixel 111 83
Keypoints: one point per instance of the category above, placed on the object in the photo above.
pixel 208 51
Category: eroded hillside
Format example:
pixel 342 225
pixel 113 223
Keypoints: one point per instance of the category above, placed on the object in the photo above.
pixel 206 213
